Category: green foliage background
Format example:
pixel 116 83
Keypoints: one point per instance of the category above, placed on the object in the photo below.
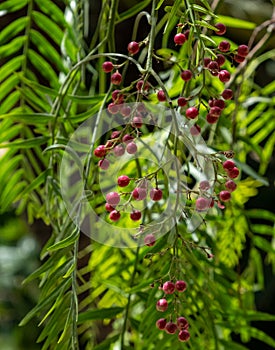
pixel 92 296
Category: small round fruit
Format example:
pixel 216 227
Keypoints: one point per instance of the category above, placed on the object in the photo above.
pixel 113 198
pixel 117 96
pixel 119 150
pixel 108 207
pixel 115 134
pixel 195 130
pixel 186 75
pixel 224 196
pixel 211 119
pixel 202 204
pixel 233 173
pixel 220 59
pixel 161 96
pixel 230 185
pixel 191 112
pixel 131 148
pixel 184 335
pixel 228 164
pixel 243 50
pixel 179 39
pixel 213 66
pixel 127 138
pixel 114 215
pixel 224 46
pixel 171 328
pixel 116 78
pixel 142 86
pixel 100 151
pixel 125 111
pixel 168 287
pixel 227 94
pixel 182 101
pixel 224 76
pixel 206 61
pixel 150 240
pixel 219 103
pixel 221 28
pixel 215 111
pixel 103 164
pixel 133 48
pixel 238 58
pixel 204 185
pixel 107 66
pixel 182 323
pixel 135 215
pixel 161 323
pixel 139 193
pixel 181 286
pixel 137 122
pixel 156 194
pixel 123 181
pixel 162 305
pixel 113 108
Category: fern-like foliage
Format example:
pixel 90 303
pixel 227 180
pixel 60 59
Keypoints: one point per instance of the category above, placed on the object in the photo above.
pixel 94 296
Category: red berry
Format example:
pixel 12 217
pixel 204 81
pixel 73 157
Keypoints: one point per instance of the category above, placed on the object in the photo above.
pixel 243 50
pixel 234 173
pixel 230 185
pixel 182 101
pixel 195 130
pixel 184 335
pixel 104 164
pixel 181 286
pixel 150 240
pixel 139 193
pixel 221 28
pixel 156 194
pixel 211 119
pixel 118 150
pixel 108 207
pixel 182 323
pixel 161 96
pixel 116 78
pixel 107 66
pixel 161 323
pixel 115 134
pixel 206 61
pixel 215 111
pixel 168 287
pixel 220 59
pixel 113 108
pixel 227 94
pixel 219 103
pixel 113 198
pixel 131 148
pixel 202 204
pixel 191 112
pixel 204 185
pixel 224 196
pixel 238 58
pixel 125 111
pixel 127 138
pixel 171 328
pixel 179 39
pixel 100 151
pixel 142 86
pixel 228 164
pixel 186 75
pixel 117 96
pixel 135 215
pixel 114 215
pixel 123 181
pixel 224 46
pixel 224 76
pixel 133 47
pixel 186 33
pixel 137 121
pixel 213 66
pixel 162 305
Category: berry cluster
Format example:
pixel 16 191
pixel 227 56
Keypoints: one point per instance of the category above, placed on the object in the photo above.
pixel 181 324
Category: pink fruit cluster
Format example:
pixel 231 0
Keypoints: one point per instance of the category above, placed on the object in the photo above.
pixel 181 324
